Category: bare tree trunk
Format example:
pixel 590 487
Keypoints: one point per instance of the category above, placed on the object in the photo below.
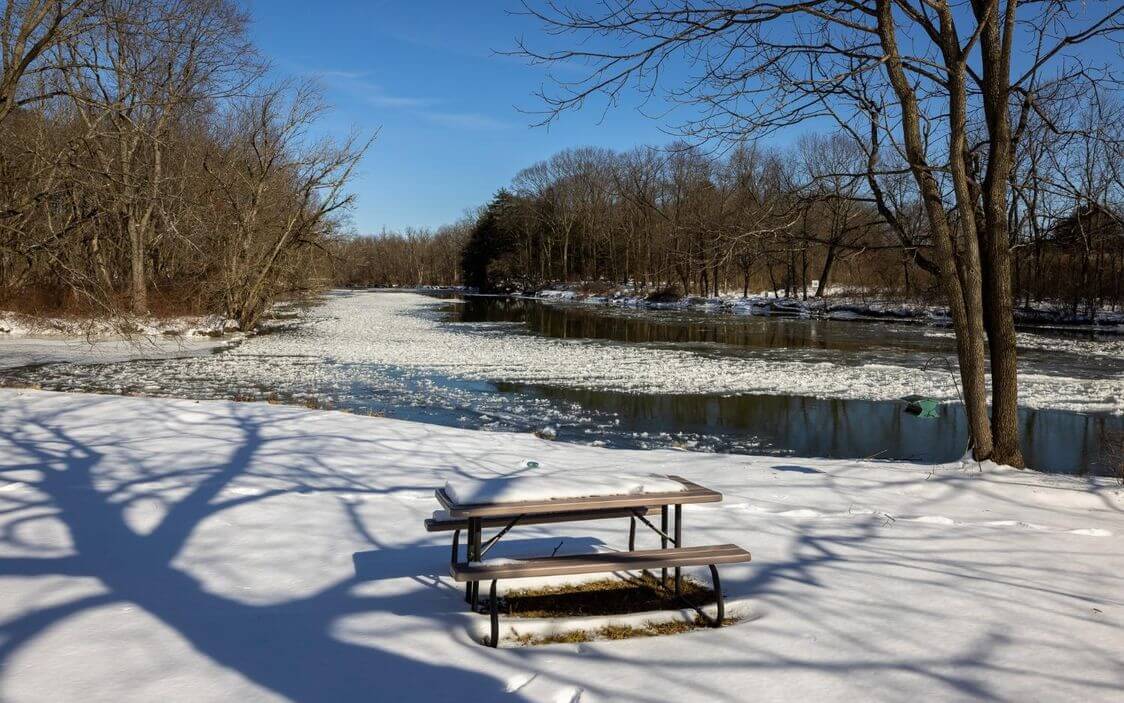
pixel 828 261
pixel 961 280
pixel 995 46
pixel 138 291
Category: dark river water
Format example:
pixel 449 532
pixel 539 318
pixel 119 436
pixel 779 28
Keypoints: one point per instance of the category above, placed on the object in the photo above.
pixel 804 426
pixel 760 424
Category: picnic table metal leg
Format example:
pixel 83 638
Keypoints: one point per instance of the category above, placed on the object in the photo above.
pixel 678 544
pixel 494 616
pixel 632 534
pixel 475 526
pixel 663 542
pixel 468 557
pixel 721 615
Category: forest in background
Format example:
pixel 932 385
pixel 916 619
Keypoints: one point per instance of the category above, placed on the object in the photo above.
pixel 150 165
pixel 684 220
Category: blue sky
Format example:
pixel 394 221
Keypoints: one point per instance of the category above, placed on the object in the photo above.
pixel 447 109
pixel 424 73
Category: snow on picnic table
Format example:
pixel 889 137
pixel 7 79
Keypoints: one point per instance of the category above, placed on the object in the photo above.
pixel 177 550
pixel 557 486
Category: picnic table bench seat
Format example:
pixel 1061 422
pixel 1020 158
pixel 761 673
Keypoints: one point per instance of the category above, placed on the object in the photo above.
pixel 602 562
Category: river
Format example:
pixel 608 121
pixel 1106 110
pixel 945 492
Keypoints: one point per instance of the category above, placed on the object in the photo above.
pixel 638 378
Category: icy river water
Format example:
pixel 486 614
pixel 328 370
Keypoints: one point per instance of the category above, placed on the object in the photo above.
pixel 701 381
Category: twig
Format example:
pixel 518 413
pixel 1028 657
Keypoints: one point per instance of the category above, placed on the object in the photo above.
pixel 956 385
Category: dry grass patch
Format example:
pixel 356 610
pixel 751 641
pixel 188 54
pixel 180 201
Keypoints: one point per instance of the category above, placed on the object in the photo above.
pixel 611 596
pixel 616 632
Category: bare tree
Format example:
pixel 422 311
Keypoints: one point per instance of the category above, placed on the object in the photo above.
pixel 760 66
pixel 147 68
pixel 30 31
pixel 112 113
pixel 281 191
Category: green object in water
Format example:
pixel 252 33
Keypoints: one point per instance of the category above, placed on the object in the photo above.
pixel 929 407
pixel 922 407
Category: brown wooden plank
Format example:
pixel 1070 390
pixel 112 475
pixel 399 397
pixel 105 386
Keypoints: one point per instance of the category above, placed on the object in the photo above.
pixel 448 525
pixel 606 562
pixel 694 494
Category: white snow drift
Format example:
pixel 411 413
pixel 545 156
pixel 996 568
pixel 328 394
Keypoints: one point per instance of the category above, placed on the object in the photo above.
pixel 212 551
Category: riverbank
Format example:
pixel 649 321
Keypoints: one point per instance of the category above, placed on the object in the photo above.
pixel 176 550
pixel 29 340
pixel 837 304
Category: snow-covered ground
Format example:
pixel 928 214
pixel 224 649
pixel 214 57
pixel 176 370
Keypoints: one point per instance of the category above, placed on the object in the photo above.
pixel 837 303
pixel 26 340
pixel 213 551
pixel 26 350
pixel 398 329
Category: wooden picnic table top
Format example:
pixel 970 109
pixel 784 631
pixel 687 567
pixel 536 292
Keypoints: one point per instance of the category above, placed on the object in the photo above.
pixel 691 493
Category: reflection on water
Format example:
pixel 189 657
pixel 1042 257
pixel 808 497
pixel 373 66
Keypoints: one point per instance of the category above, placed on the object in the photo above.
pixel 731 334
pixel 679 327
pixel 1052 440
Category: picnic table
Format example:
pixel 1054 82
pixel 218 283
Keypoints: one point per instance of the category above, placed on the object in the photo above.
pixel 504 503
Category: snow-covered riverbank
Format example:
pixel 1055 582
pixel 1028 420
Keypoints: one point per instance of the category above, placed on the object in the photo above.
pixel 29 350
pixel 837 304
pixel 26 340
pixel 214 551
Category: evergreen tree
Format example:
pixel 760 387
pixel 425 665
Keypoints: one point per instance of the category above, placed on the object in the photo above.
pixel 492 239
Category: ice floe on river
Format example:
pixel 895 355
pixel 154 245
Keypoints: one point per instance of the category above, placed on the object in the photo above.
pixel 406 330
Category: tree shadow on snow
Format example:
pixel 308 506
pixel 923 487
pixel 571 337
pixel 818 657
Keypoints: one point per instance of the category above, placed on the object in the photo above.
pixel 292 649
pixel 286 647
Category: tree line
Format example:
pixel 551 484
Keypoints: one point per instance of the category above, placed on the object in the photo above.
pixel 148 163
pixel 414 257
pixel 690 221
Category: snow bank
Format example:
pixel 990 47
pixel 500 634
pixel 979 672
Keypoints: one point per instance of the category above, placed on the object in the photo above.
pixel 213 551
pixel 568 485
pixel 186 326
pixel 27 350
pixel 27 340
pixel 837 303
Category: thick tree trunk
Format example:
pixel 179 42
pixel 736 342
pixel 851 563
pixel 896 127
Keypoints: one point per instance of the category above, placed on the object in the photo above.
pixel 138 292
pixel 1004 356
pixel 98 259
pixel 995 46
pixel 828 261
pixel 804 275
pixel 960 280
